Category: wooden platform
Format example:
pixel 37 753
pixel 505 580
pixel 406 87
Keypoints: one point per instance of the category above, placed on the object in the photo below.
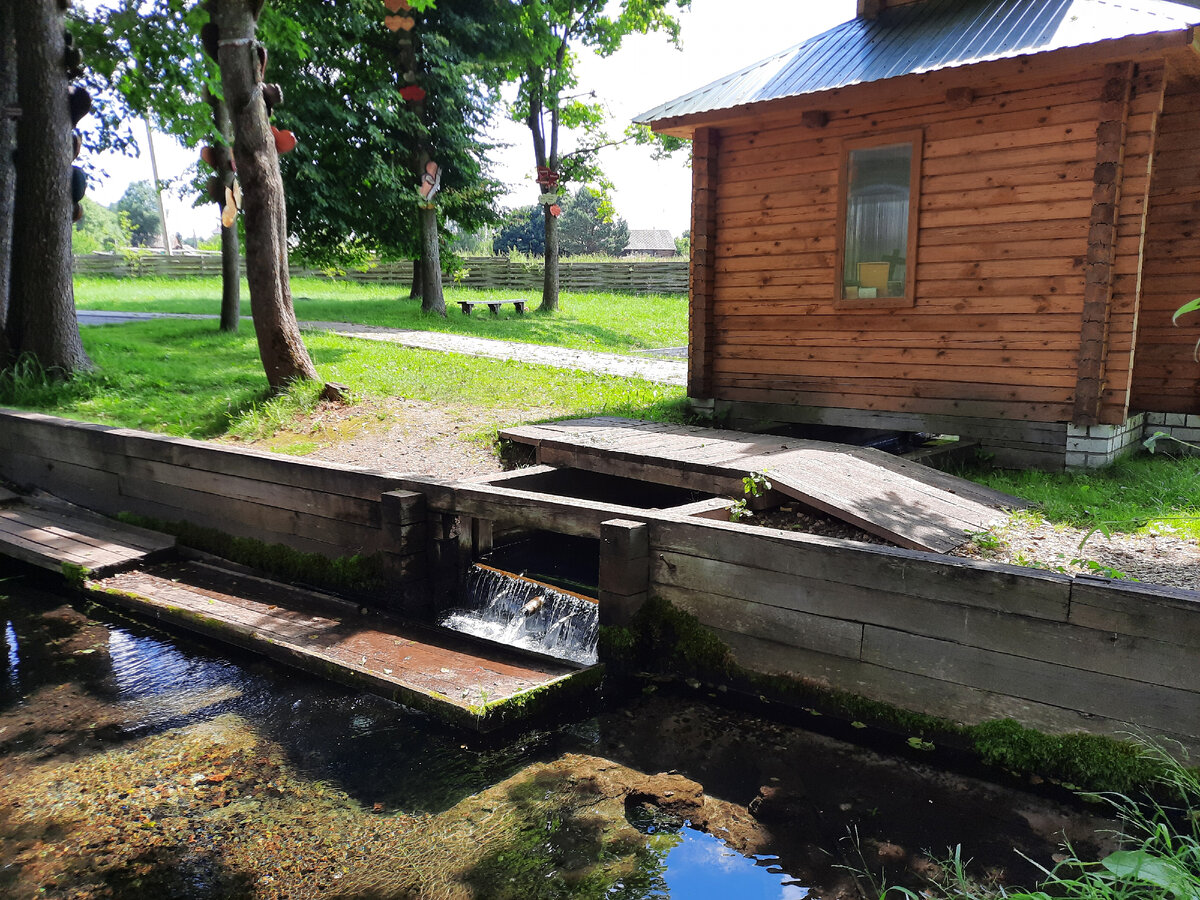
pixel 907 503
pixel 53 535
pixel 435 670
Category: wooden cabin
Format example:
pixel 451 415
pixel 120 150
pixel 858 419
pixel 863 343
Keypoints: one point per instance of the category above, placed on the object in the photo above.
pixel 970 217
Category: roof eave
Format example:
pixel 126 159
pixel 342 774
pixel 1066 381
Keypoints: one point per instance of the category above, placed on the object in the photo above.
pixel 1183 45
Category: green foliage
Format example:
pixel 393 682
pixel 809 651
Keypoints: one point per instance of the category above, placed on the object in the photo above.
pixel 1134 494
pixel 1189 307
pixel 1159 859
pixel 522 230
pixel 139 204
pixel 1088 761
pixel 683 244
pixel 144 59
pixel 351 181
pixel 590 225
pixel 100 228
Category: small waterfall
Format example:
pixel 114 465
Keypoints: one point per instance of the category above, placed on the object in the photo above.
pixel 510 609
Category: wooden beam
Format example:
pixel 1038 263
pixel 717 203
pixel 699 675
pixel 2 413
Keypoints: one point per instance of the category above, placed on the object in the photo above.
pixel 705 162
pixel 1098 270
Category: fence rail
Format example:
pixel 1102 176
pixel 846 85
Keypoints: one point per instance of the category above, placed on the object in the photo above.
pixel 481 272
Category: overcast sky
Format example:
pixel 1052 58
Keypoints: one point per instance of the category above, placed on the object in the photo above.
pixel 718 38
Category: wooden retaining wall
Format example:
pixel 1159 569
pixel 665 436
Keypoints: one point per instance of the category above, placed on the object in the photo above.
pixel 312 507
pixel 956 638
pixel 482 273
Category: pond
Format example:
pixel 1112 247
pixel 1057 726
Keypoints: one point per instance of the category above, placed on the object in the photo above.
pixel 140 763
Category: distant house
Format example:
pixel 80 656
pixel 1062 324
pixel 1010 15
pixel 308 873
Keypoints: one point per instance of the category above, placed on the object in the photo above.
pixel 969 217
pixel 651 242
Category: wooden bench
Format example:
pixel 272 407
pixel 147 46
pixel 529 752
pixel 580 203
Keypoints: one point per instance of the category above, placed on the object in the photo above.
pixel 493 305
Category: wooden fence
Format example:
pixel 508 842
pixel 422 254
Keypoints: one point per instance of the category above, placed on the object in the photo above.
pixel 481 272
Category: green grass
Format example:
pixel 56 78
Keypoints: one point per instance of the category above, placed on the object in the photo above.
pixel 607 322
pixel 183 377
pixel 1135 494
pixel 1159 856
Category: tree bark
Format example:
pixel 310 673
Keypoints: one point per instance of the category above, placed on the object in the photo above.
pixel 231 275
pixel 280 346
pixel 418 285
pixel 550 274
pixel 231 279
pixel 432 298
pixel 41 313
pixel 8 174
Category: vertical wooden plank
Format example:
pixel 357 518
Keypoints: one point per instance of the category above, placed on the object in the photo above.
pixel 1102 240
pixel 705 151
pixel 1115 405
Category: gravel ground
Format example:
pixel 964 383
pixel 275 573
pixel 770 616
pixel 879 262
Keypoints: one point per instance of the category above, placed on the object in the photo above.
pixel 412 436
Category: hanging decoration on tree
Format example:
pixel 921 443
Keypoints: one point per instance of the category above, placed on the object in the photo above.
pixel 396 5
pixel 79 104
pixel 431 183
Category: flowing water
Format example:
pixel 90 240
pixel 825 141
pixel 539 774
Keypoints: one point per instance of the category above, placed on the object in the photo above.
pixel 518 612
pixel 135 763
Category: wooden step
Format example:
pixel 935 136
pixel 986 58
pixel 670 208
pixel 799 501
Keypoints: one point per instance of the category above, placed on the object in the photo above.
pixel 911 505
pixel 53 536
pixel 465 682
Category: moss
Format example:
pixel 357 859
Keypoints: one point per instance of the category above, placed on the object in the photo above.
pixel 665 639
pixel 536 700
pixel 356 574
pixel 1087 761
pixel 75 575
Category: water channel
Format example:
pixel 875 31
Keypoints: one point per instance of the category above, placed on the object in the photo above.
pixel 140 763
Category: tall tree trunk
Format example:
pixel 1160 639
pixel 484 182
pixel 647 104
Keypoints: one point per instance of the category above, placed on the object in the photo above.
pixel 41 313
pixel 418 284
pixel 432 299
pixel 231 275
pixel 550 275
pixel 8 174
pixel 280 346
pixel 231 279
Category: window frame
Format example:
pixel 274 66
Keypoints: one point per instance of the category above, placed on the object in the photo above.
pixel 915 138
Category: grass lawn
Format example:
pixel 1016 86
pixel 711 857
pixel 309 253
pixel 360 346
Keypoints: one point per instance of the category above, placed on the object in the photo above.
pixel 1135 494
pixel 608 322
pixel 183 377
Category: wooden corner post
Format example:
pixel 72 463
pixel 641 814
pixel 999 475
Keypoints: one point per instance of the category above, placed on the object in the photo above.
pixel 1102 241
pixel 705 146
pixel 624 570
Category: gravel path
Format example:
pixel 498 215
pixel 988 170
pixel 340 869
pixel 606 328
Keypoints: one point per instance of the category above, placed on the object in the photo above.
pixel 664 371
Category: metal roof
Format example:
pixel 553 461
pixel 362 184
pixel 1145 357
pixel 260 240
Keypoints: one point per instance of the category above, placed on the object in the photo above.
pixel 925 37
pixel 650 239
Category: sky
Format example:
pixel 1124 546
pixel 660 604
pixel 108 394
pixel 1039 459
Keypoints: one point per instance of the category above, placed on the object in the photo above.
pixel 718 37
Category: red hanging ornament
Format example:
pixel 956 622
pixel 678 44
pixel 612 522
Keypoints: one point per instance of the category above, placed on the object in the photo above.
pixel 413 92
pixel 556 210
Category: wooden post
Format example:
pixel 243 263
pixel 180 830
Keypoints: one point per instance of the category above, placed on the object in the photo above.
pixel 624 570
pixel 1102 242
pixel 705 147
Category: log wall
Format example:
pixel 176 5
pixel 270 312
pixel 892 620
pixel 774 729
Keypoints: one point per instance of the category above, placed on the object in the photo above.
pixel 1166 376
pixel 1006 195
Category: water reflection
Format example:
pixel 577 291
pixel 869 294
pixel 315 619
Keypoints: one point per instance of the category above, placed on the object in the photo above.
pixel 136 764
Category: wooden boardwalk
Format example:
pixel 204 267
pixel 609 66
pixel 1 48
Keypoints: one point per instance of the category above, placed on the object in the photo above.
pixel 53 535
pixel 435 670
pixel 906 503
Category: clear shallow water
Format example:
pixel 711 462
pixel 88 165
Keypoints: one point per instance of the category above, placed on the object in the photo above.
pixel 135 763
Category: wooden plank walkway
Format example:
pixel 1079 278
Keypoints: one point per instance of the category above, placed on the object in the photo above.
pixel 51 535
pixel 907 503
pixel 435 670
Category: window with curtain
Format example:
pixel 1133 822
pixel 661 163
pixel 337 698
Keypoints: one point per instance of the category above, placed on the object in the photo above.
pixel 879 203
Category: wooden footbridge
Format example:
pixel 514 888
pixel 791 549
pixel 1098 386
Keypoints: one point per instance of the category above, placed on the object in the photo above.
pixel 907 503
